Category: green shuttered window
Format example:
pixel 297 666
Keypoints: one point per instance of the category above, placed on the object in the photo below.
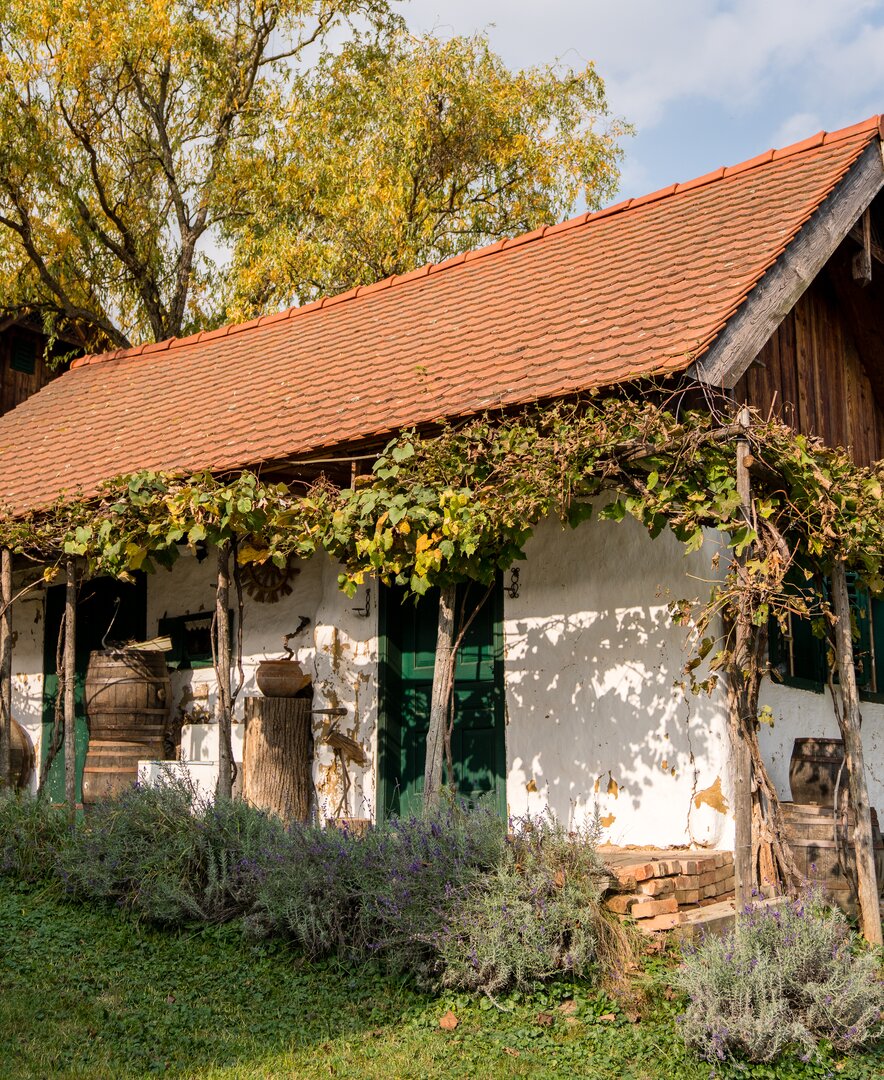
pixel 798 655
pixel 24 356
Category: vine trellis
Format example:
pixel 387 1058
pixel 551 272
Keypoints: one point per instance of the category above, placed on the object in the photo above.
pixel 460 504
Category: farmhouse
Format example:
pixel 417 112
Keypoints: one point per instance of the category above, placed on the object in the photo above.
pixel 762 281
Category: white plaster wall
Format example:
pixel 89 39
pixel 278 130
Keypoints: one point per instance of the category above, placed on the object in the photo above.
pixel 595 722
pixel 338 648
pixel 27 666
pixel 802 714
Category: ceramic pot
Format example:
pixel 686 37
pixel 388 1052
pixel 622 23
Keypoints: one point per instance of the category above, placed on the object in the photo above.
pixel 280 678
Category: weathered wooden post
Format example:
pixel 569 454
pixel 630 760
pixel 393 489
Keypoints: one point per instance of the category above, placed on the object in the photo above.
pixel 222 672
pixel 850 721
pixel 443 679
pixel 70 685
pixel 737 706
pixel 5 667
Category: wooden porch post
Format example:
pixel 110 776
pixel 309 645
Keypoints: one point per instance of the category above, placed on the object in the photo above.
pixel 851 721
pixel 743 871
pixel 70 677
pixel 5 667
pixel 222 673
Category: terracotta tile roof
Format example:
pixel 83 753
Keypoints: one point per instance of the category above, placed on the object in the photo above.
pixel 640 288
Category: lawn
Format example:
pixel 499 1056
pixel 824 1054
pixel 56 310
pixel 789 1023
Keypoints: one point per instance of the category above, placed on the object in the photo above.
pixel 90 994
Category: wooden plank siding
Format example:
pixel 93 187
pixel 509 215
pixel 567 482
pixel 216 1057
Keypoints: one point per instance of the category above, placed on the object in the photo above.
pixel 16 385
pixel 814 375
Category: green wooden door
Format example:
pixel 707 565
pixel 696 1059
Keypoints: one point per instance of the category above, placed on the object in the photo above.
pixel 96 605
pixel 408 635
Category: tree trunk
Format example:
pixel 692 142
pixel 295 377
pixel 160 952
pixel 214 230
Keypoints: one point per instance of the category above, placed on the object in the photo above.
pixel 851 721
pixel 443 684
pixel 5 668
pixel 278 755
pixel 70 686
pixel 223 715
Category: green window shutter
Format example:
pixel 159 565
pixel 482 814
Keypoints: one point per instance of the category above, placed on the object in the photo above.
pixel 863 644
pixel 191 637
pixel 24 356
pixel 861 619
pixel 877 609
pixel 797 655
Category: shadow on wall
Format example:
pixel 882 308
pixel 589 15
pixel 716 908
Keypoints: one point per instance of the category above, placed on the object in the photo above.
pixel 595 718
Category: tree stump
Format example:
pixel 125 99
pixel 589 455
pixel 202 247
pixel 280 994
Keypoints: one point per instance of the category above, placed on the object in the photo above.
pixel 278 756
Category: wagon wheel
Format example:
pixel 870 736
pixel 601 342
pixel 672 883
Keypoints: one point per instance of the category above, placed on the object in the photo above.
pixel 266 582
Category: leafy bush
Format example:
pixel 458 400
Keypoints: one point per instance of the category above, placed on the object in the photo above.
pixel 785 978
pixel 31 831
pixel 170 856
pixel 535 916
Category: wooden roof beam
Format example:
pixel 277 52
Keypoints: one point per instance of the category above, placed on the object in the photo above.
pixel 862 234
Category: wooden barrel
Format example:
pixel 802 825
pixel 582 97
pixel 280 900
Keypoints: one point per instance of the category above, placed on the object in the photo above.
pixel 813 770
pixel 112 763
pixel 823 860
pixel 127 706
pixel 21 756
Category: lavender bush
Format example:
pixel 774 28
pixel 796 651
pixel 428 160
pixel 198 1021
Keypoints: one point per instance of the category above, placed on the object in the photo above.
pixel 452 899
pixel 537 915
pixel 170 856
pixel 382 895
pixel 30 834
pixel 785 978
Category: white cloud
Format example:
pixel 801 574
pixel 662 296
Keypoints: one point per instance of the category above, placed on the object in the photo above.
pixel 796 127
pixel 654 54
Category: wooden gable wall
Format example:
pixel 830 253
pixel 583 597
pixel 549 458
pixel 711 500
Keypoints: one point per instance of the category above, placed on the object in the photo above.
pixel 822 371
pixel 23 369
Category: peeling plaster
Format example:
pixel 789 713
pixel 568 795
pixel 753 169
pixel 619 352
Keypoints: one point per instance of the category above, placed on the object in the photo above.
pixel 712 796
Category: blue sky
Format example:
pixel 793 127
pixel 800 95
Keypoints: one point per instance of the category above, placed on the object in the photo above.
pixel 705 82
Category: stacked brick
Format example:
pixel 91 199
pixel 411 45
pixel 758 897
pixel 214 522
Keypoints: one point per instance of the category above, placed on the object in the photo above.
pixel 659 893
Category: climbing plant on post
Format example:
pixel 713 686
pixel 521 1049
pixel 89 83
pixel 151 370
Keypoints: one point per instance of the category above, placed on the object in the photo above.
pixel 440 699
pixel 742 695
pixel 221 656
pixel 70 684
pixel 5 667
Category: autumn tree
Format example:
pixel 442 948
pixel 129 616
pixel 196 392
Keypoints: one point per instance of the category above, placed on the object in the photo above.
pixel 399 150
pixel 119 120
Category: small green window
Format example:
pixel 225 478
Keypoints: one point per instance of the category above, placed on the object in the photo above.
pixel 24 356
pixel 191 637
pixel 798 655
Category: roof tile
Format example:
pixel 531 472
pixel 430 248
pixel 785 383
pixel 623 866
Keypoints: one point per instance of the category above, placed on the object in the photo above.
pixel 640 288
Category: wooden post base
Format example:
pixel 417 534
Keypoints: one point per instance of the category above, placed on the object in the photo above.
pixel 278 756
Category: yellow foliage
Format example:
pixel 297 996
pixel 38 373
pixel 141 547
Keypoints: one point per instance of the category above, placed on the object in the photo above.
pixel 397 151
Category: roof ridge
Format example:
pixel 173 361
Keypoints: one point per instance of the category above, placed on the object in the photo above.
pixel 874 124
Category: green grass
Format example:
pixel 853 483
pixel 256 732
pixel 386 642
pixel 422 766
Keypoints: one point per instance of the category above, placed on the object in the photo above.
pixel 90 994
